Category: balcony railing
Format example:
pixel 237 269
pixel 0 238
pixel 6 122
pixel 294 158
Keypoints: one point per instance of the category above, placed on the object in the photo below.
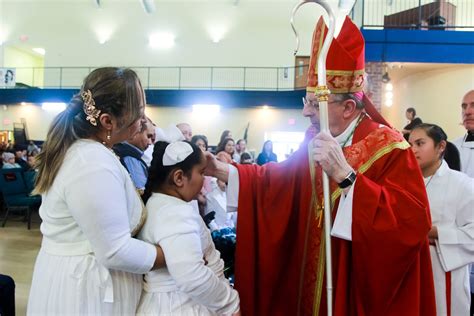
pixel 209 78
pixel 418 14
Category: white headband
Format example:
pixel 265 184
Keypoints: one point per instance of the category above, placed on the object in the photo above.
pixel 177 150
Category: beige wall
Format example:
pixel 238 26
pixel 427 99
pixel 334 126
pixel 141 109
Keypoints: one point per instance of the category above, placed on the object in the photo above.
pixel 235 120
pixel 436 95
pixel 19 59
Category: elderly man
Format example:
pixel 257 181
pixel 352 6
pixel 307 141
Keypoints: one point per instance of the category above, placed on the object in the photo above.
pixel 465 145
pixel 381 260
pixel 186 130
pixel 131 153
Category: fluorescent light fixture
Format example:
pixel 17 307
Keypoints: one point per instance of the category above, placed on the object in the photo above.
pixel 39 50
pixel 389 95
pixel 389 87
pixel 206 109
pixel 161 40
pixel 53 106
pixel 388 103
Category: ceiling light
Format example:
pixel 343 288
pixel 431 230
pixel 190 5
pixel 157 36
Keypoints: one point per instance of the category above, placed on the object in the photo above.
pixel 389 95
pixel 53 106
pixel 39 50
pixel 265 107
pixel 161 40
pixel 389 87
pixel 388 103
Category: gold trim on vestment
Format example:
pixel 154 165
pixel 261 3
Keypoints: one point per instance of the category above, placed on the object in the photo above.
pixel 334 196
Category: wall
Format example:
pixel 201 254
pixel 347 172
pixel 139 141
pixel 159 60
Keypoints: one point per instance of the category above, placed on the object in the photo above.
pixel 435 94
pixel 236 120
pixel 18 58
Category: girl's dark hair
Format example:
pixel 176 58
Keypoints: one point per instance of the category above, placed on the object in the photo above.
pixel 116 91
pixel 195 138
pixel 159 174
pixel 451 153
pixel 221 146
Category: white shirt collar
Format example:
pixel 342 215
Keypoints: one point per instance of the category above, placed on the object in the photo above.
pixel 348 131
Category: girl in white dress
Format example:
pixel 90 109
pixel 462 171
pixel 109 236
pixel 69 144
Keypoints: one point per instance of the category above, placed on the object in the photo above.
pixel 451 197
pixel 193 281
pixel 88 263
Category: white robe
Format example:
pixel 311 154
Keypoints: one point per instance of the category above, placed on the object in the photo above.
pixel 451 197
pixel 88 263
pixel 466 151
pixel 187 285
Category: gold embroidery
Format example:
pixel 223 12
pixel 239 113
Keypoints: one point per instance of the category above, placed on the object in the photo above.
pixel 320 275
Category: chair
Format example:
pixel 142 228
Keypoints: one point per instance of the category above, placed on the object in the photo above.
pixel 15 193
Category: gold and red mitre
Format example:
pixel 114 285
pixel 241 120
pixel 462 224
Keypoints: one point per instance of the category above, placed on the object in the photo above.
pixel 345 59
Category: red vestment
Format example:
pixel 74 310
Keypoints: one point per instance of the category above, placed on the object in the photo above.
pixel 385 269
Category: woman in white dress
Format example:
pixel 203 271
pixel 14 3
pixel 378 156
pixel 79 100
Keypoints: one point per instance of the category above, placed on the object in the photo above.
pixel 451 197
pixel 193 281
pixel 89 263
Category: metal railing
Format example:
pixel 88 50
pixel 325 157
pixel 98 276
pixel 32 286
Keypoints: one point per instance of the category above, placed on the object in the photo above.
pixel 176 78
pixel 418 14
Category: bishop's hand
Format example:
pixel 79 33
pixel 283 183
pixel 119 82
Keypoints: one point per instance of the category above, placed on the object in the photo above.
pixel 328 154
pixel 216 168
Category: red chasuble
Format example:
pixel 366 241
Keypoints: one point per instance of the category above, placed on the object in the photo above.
pixel 384 270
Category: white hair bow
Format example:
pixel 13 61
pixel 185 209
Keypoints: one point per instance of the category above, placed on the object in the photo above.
pixel 177 150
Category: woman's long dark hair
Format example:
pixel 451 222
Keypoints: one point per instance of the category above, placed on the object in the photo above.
pixel 451 153
pixel 159 174
pixel 116 91
pixel 221 147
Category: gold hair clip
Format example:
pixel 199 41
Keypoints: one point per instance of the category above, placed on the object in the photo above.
pixel 89 107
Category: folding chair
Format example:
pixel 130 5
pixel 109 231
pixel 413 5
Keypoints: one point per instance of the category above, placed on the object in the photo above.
pixel 16 195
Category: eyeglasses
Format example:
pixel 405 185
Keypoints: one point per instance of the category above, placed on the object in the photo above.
pixel 315 104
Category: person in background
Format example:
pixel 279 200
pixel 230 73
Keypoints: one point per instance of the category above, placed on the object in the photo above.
pixel 9 161
pixel 225 151
pixel 200 141
pixel 225 134
pixel 267 155
pixel 413 121
pixel 451 197
pixel 465 145
pixel 246 159
pixel 186 129
pixel 131 153
pixel 32 148
pixel 21 157
pixel 240 148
